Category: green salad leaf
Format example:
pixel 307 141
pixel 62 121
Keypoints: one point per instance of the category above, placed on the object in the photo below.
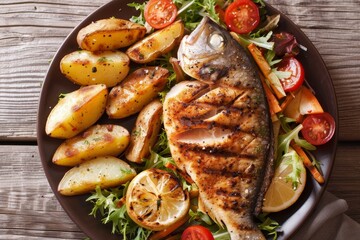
pixel 293 159
pixel 268 225
pixel 108 202
pixel 284 141
pixel 140 19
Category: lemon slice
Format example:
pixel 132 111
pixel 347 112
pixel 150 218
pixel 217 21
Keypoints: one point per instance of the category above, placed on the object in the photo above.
pixel 155 200
pixel 281 193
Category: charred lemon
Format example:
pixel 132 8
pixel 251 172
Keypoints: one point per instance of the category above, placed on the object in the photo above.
pixel 155 199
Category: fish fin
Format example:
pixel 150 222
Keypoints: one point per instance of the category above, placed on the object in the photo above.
pixel 268 173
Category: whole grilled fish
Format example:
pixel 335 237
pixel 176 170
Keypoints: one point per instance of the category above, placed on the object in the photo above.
pixel 219 128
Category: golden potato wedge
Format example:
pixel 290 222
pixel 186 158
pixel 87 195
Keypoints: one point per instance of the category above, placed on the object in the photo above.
pixel 156 44
pixel 77 111
pixel 136 91
pixel 105 171
pixel 98 140
pixel 88 68
pixel 109 34
pixel 145 132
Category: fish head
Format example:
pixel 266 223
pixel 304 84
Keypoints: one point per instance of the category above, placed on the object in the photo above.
pixel 206 52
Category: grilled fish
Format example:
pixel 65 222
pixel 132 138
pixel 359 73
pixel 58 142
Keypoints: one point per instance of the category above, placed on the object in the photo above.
pixel 219 128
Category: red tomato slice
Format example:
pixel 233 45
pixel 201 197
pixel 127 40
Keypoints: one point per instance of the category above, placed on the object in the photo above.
pixel 160 13
pixel 291 64
pixel 197 232
pixel 242 16
pixel 318 128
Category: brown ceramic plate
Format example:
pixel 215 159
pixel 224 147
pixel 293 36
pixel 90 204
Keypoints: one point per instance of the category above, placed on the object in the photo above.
pixel 55 83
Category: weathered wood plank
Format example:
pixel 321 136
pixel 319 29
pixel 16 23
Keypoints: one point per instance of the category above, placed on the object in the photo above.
pixel 29 209
pixel 30 34
pixel 32 31
pixel 345 178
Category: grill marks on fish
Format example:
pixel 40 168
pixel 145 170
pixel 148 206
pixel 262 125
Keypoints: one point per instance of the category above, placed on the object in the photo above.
pixel 221 156
pixel 219 129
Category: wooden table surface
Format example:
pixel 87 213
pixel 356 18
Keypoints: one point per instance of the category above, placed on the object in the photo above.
pixel 32 31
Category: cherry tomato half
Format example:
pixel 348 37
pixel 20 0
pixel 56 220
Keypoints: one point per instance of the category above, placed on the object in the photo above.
pixel 160 13
pixel 318 128
pixel 197 232
pixel 291 64
pixel 242 16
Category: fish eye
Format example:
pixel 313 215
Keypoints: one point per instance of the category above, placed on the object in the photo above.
pixel 216 41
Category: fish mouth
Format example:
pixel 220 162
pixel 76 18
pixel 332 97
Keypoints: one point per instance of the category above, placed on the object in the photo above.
pixel 199 44
pixel 194 36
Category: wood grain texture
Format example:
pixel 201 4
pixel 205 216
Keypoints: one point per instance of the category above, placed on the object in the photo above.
pixel 30 34
pixel 29 209
pixel 32 31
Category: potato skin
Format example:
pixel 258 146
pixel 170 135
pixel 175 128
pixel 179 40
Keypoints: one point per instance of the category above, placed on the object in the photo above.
pixel 137 90
pixel 105 171
pixel 145 132
pixel 77 111
pixel 109 34
pixel 98 140
pixel 88 68
pixel 156 44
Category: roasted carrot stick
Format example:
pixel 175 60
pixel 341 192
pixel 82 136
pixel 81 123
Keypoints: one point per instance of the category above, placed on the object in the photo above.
pixel 287 100
pixel 163 233
pixel 307 162
pixel 266 70
pixel 272 100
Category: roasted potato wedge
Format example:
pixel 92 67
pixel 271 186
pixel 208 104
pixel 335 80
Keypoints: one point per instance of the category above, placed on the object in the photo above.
pixel 109 34
pixel 98 140
pixel 105 171
pixel 77 111
pixel 136 91
pixel 145 132
pixel 88 68
pixel 156 44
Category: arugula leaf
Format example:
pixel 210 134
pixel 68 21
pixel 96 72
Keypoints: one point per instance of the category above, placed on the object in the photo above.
pixel 261 2
pixel 209 10
pixel 140 19
pixel 285 122
pixel 269 24
pixel 199 216
pixel 268 225
pixel 262 41
pixel 106 202
pixel 293 135
pixel 314 161
pixel 269 56
pixel 62 95
pixel 293 159
pixel 281 74
pixel 221 234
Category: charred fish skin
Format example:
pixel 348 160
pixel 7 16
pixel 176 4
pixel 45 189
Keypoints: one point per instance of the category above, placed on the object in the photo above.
pixel 219 128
